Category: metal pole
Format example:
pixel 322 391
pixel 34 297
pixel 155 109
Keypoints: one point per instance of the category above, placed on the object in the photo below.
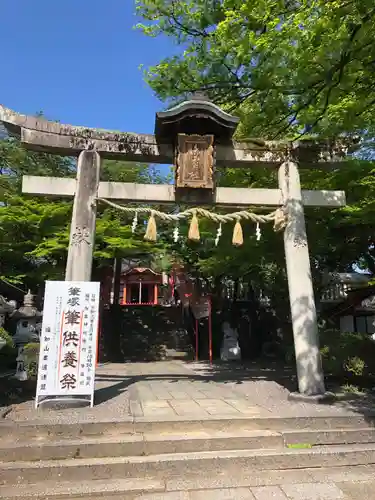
pixel 196 340
pixel 209 330
pixel 98 334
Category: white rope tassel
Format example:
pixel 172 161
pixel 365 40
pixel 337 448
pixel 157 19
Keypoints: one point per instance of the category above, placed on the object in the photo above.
pixel 135 222
pixel 176 233
pixel 218 234
pixel 258 232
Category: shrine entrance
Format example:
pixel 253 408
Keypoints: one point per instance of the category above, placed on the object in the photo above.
pixel 197 137
pixel 139 294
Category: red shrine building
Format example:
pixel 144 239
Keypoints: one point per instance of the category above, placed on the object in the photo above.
pixel 133 285
pixel 140 286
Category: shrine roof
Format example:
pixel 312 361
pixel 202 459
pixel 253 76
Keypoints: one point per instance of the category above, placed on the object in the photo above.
pixel 353 301
pixel 197 115
pixel 141 270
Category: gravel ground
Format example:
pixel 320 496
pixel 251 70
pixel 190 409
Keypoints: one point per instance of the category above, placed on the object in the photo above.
pixel 111 402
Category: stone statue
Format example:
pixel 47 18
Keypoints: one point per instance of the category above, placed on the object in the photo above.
pixel 230 348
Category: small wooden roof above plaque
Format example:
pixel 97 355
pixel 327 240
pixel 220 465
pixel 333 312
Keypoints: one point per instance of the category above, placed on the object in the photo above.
pixel 196 116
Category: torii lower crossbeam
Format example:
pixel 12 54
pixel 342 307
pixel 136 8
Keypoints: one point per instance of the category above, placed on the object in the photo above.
pixel 165 193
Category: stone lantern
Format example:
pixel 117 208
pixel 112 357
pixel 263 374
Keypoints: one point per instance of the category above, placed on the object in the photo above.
pixel 29 320
pixel 195 127
pixel 29 323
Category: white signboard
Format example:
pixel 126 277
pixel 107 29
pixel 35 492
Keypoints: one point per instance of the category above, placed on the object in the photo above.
pixel 68 341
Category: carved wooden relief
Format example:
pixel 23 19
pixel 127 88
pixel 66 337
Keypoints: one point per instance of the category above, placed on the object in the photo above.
pixel 81 235
pixel 195 161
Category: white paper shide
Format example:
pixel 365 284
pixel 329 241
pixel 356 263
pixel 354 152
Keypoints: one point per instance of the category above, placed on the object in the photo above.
pixel 68 342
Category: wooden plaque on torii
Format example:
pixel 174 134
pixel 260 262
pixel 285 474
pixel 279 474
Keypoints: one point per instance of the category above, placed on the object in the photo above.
pixel 195 161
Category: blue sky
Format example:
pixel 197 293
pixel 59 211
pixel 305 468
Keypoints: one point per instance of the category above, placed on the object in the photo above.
pixel 77 62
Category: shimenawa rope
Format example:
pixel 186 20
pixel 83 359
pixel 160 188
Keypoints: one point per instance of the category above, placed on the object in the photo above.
pixel 278 216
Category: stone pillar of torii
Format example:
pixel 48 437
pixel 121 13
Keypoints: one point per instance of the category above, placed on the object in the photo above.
pixel 196 136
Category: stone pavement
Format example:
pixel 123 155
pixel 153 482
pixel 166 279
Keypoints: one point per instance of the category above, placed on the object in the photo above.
pixel 173 389
pixel 197 390
pixel 344 490
pixel 302 491
pixel 358 490
pixel 187 390
pixel 361 490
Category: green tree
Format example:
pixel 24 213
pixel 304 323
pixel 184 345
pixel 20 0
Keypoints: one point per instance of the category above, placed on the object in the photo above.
pixel 35 229
pixel 25 222
pixel 283 66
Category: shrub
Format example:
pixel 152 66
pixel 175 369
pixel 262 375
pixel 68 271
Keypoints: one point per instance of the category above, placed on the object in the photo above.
pixel 347 355
pixel 355 365
pixel 7 337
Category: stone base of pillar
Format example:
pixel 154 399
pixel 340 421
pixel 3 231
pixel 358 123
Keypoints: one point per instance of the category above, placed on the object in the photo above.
pixel 63 403
pixel 325 398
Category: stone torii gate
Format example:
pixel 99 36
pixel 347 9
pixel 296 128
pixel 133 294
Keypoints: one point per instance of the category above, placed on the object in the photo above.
pixel 196 136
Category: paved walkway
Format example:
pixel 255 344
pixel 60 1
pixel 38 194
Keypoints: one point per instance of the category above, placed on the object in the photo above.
pixel 187 390
pixel 353 490
pixel 347 483
pixel 197 390
pixel 288 489
pixel 302 491
pixel 176 389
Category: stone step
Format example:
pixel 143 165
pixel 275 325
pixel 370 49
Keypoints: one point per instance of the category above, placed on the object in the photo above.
pixel 155 443
pixel 184 465
pixel 116 488
pixel 132 425
pixel 193 488
pixel 137 444
pixel 331 436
